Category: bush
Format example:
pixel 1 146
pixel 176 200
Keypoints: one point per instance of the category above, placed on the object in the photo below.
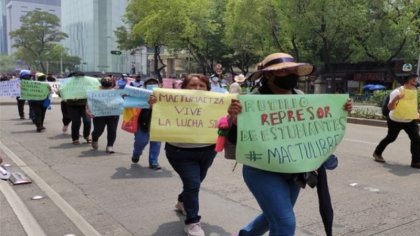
pixel 378 97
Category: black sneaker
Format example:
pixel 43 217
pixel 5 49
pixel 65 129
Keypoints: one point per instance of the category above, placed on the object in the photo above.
pixel 155 167
pixel 135 159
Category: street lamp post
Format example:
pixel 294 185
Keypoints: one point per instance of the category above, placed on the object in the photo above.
pixel 61 62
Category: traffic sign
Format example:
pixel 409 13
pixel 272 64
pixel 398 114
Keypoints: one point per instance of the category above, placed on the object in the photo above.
pixel 116 52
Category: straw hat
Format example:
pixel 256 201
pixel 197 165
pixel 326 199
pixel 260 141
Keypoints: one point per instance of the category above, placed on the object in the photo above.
pixel 239 78
pixel 280 61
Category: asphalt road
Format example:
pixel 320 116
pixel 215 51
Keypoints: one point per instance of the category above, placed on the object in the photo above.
pixel 92 193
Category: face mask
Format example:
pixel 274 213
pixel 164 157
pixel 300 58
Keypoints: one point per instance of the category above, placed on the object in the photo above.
pixel 286 82
pixel 151 86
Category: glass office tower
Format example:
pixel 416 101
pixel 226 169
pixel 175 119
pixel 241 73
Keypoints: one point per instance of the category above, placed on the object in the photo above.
pixel 90 25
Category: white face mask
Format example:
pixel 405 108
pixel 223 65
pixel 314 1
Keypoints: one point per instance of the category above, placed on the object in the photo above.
pixel 152 86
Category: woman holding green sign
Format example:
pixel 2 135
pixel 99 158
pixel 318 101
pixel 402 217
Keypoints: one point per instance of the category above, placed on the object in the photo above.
pixel 276 193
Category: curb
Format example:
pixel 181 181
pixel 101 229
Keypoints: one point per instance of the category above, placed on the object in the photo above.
pixel 370 122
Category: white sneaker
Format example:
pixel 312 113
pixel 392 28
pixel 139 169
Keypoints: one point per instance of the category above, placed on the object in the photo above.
pixel 179 206
pixel 194 229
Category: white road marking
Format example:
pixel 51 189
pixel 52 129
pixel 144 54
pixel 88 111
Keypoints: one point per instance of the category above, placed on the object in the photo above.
pixel 26 219
pixel 65 207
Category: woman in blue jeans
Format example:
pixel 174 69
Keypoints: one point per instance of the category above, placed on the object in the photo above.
pixel 191 161
pixel 276 193
pixel 141 137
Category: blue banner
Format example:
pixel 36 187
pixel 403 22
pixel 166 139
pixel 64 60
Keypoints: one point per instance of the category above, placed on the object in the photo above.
pixel 105 102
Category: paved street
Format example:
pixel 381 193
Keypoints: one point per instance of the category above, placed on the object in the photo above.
pixel 92 193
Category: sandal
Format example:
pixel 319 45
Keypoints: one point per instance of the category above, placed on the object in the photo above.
pixel 76 142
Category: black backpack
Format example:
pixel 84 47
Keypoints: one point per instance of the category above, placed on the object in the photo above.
pixel 385 110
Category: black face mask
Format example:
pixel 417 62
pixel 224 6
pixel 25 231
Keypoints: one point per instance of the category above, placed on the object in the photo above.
pixel 286 82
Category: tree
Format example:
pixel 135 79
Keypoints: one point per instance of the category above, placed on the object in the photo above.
pixel 7 63
pixel 36 37
pixel 391 29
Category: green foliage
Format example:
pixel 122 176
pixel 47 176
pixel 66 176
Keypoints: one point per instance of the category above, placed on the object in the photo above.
pixel 388 29
pixel 239 33
pixel 378 97
pixel 7 63
pixel 36 38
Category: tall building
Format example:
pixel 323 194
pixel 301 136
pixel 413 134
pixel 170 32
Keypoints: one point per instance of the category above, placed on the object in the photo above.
pixel 3 33
pixel 90 25
pixel 15 9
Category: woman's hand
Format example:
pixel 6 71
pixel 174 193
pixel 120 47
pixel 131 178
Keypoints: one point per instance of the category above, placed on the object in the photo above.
pixel 152 100
pixel 348 106
pixel 234 109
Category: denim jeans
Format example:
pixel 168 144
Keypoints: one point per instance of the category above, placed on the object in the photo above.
pixel 111 123
pixel 191 164
pixel 394 129
pixel 141 139
pixel 276 196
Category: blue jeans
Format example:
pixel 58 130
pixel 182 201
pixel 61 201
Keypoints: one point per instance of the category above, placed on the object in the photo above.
pixel 276 195
pixel 191 164
pixel 141 139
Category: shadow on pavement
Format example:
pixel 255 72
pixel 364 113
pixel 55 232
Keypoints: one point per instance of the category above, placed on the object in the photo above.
pixel 401 170
pixel 61 136
pixel 89 152
pixel 31 131
pixel 137 171
pixel 69 145
pixel 23 122
pixel 177 228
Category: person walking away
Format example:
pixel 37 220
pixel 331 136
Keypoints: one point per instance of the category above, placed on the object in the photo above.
pixel 137 82
pixel 141 137
pixel 23 75
pixel 39 108
pixel 99 123
pixel 403 107
pixel 191 161
pixel 77 112
pixel 276 193
pixel 235 87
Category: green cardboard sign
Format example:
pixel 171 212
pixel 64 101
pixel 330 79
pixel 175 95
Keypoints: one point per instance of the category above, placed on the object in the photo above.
pixel 34 90
pixel 77 87
pixel 289 133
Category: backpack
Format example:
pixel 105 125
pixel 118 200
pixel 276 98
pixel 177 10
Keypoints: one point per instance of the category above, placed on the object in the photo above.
pixel 385 110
